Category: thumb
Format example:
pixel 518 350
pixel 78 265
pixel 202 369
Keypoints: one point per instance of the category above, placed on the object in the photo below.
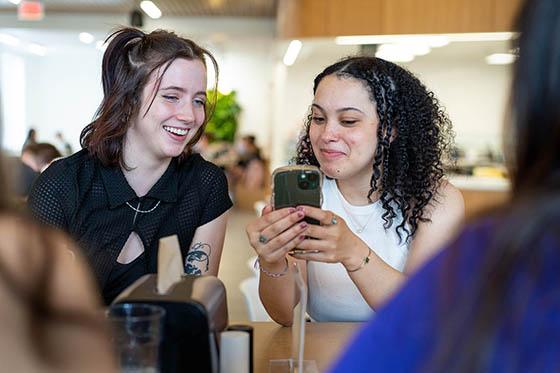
pixel 266 210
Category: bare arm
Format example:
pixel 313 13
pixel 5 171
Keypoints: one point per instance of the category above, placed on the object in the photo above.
pixel 206 247
pixel 446 215
pixel 377 281
pixel 272 236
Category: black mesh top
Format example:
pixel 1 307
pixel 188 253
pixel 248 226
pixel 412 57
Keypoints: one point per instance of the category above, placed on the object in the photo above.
pixel 89 201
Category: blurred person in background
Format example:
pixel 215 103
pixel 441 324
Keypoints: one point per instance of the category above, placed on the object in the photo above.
pixel 20 177
pixel 491 301
pixel 30 139
pixel 249 170
pixel 63 144
pixel 50 308
pixel 39 156
pixel 136 179
pixel 379 137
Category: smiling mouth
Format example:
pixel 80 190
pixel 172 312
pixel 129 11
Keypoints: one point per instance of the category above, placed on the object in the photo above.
pixel 332 153
pixel 176 131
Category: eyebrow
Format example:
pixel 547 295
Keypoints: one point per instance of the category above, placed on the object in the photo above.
pixel 181 89
pixel 349 108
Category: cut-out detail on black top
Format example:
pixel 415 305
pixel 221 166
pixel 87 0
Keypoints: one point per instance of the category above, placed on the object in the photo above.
pixel 88 200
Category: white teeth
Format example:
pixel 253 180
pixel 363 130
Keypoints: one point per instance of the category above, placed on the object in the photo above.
pixel 177 131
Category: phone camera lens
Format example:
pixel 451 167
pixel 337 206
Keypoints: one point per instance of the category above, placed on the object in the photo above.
pixel 312 177
pixel 304 185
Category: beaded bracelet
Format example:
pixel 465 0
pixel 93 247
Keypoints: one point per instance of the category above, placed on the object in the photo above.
pixel 257 265
pixel 362 265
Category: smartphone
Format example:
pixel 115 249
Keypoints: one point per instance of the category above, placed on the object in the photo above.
pixel 297 185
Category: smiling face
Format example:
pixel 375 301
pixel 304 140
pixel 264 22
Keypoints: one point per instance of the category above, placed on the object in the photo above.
pixel 161 131
pixel 343 129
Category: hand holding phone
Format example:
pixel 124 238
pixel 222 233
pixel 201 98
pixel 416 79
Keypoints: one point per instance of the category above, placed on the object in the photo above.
pixel 297 185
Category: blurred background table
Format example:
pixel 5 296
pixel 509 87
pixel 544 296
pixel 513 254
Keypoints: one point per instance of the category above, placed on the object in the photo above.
pixel 323 342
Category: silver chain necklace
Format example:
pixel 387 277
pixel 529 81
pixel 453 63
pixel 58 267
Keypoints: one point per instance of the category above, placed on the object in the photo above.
pixel 143 211
pixel 359 227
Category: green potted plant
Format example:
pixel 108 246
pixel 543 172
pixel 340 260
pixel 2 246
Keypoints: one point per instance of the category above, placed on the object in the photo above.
pixel 223 124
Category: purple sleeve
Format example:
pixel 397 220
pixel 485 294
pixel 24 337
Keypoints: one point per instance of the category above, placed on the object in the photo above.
pixel 400 336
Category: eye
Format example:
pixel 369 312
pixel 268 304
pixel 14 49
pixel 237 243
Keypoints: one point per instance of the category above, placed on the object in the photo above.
pixel 348 122
pixel 200 102
pixel 317 119
pixel 170 97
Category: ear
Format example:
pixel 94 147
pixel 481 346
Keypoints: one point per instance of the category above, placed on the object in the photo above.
pixel 393 134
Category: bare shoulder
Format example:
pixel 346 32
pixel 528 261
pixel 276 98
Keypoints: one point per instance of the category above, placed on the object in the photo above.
pixel 448 200
pixel 446 213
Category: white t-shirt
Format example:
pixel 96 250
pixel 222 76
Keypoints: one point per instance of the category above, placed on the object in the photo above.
pixel 333 296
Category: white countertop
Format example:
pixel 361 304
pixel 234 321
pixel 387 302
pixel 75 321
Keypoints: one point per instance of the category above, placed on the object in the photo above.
pixel 479 183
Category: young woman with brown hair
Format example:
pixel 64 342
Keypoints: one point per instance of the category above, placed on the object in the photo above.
pixel 136 179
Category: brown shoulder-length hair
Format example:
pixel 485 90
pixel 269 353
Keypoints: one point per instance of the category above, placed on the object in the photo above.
pixel 129 60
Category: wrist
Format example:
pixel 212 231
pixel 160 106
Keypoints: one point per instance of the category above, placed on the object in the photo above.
pixel 276 266
pixel 273 272
pixel 356 255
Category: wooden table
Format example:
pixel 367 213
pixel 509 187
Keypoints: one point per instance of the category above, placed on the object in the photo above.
pixel 323 342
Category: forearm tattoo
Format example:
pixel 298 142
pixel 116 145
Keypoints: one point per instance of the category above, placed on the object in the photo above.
pixel 197 261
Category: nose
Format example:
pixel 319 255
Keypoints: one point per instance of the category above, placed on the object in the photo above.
pixel 329 132
pixel 186 113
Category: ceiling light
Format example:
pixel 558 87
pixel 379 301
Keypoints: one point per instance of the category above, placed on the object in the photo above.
pixel 500 59
pixel 9 40
pixel 86 37
pixel 37 49
pixel 417 49
pixel 437 41
pixel 395 57
pixel 150 9
pixel 395 52
pixel 292 52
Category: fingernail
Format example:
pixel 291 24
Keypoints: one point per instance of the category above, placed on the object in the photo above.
pixel 300 208
pixel 302 237
pixel 291 209
pixel 301 214
pixel 303 225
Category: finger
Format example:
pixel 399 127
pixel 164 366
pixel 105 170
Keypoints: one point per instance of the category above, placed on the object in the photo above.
pixel 313 256
pixel 259 224
pixel 280 242
pixel 258 238
pixel 311 245
pixel 290 245
pixel 324 217
pixel 319 232
pixel 283 224
pixel 266 210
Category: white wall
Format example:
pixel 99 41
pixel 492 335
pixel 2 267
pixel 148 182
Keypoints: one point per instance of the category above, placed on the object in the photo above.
pixel 13 100
pixel 473 93
pixel 63 88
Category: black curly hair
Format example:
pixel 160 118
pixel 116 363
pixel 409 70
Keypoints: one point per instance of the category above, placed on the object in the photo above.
pixel 412 160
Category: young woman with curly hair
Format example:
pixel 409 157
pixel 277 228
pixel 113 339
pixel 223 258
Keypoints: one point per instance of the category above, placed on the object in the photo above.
pixel 378 135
